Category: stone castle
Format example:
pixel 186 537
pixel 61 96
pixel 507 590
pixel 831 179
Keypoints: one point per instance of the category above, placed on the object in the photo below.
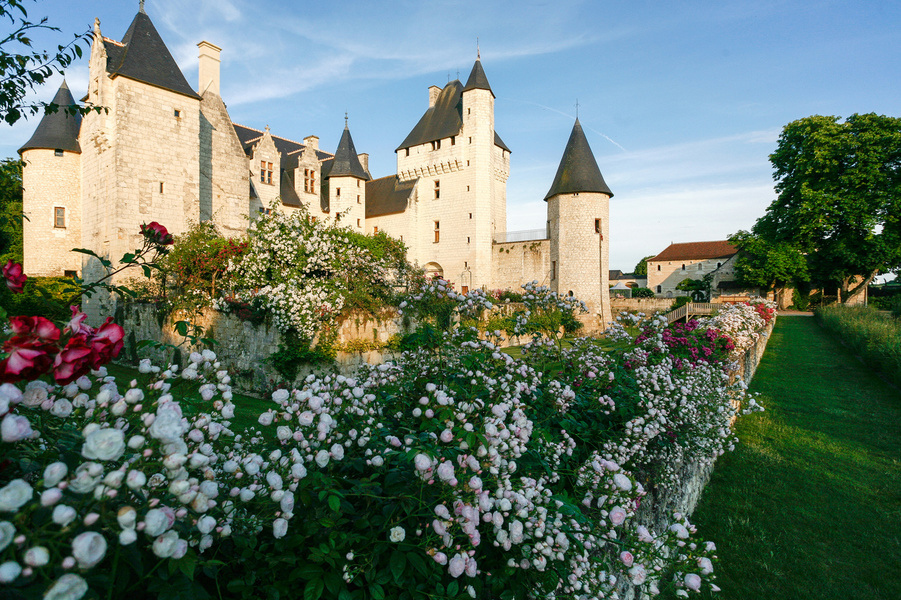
pixel 165 152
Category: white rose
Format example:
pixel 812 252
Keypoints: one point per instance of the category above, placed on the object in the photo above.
pixel 51 496
pixel 37 556
pixel 337 451
pixel 287 502
pixel 14 495
pixel 265 419
pixel 279 528
pixel 168 425
pixel 88 549
pixel 136 441
pixel 104 444
pixel 617 515
pixel 397 534
pixel 274 480
pixel 298 470
pixel 305 418
pixel 14 428
pixel 7 533
pixel 322 458
pixel 422 462
pixel 9 571
pixel 155 522
pixel 283 433
pixel 63 515
pixel 165 545
pixel 622 482
pixel 68 587
pixel 127 517
pixel 206 524
pixel 135 480
pixel 127 536
pixel 54 473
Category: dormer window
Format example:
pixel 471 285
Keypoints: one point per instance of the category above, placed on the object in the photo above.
pixel 265 172
pixel 58 152
pixel 436 145
pixel 309 181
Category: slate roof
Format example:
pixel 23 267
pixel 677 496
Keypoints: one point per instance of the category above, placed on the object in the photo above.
pixel 59 130
pixel 444 119
pixel 578 170
pixel 142 55
pixel 249 136
pixel 387 195
pixel 346 162
pixel 615 274
pixel 477 79
pixel 696 251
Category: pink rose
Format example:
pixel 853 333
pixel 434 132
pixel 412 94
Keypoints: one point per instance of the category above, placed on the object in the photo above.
pixel 15 279
pixel 156 234
pixel 76 324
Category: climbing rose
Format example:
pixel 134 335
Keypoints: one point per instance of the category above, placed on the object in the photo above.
pixel 106 343
pixel 156 233
pixel 15 279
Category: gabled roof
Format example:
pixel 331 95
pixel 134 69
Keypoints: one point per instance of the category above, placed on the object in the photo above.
pixel 346 162
pixel 442 120
pixel 388 195
pixel 477 79
pixel 614 274
pixel 578 170
pixel 696 251
pixel 142 55
pixel 59 130
pixel 249 136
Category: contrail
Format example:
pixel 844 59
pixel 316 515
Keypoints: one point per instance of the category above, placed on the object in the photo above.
pixel 560 112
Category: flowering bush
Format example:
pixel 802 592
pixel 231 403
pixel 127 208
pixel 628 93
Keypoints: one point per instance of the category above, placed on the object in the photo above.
pixel 457 472
pixel 742 323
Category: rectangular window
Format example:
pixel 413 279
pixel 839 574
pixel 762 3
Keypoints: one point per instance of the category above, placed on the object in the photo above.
pixel 467 239
pixel 375 229
pixel 467 188
pixel 59 217
pixel 358 183
pixel 337 192
pixel 265 172
pixel 358 199
pixel 453 140
pixel 470 215
pixel 437 189
pixel 464 289
pixel 307 181
pixel 597 225
pixel 177 113
pixel 407 152
pixel 57 152
pixel 71 274
pixel 683 266
pixel 437 232
pixel 269 173
pixel 358 223
pixel 700 266
pixel 553 270
pixel 162 188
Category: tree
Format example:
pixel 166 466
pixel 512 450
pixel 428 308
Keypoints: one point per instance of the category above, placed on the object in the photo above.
pixel 24 72
pixel 10 211
pixel 839 202
pixel 641 269
pixel 698 289
pixel 768 265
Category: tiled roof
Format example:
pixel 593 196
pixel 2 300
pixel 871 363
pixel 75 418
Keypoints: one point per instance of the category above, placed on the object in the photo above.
pixel 59 130
pixel 142 55
pixel 440 121
pixel 346 162
pixel 614 274
pixel 696 251
pixel 578 170
pixel 387 195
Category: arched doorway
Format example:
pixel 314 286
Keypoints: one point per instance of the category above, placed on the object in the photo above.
pixel 433 270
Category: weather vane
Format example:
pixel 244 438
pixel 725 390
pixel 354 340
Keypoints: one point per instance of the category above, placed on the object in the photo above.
pixel 345 119
pixel 141 6
pixel 577 108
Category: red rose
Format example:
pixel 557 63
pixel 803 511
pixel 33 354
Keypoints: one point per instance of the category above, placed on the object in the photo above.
pixel 31 349
pixel 75 360
pixel 156 234
pixel 15 279
pixel 33 328
pixel 106 343
pixel 76 325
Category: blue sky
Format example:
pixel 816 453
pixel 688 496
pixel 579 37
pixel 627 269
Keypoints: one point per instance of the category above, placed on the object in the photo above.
pixel 682 102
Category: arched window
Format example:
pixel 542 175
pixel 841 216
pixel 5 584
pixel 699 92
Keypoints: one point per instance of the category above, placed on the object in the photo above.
pixel 659 289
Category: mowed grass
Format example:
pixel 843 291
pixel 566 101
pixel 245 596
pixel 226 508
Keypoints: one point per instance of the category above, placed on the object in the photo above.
pixel 809 504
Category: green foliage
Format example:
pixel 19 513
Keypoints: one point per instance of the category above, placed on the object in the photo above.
pixel 680 301
pixel 698 289
pixel 874 336
pixel 24 72
pixel 642 292
pixel 800 300
pixel 767 264
pixel 296 352
pixel 641 269
pixel 48 297
pixel 10 211
pixel 839 203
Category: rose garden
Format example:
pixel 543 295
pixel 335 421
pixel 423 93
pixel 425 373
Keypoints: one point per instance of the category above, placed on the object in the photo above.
pixel 453 470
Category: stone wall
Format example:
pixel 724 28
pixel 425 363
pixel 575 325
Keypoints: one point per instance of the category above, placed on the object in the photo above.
pixel 659 504
pixel 646 305
pixel 243 346
pixel 516 263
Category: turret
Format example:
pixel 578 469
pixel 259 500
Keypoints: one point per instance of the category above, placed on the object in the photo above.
pixel 346 187
pixel 51 198
pixel 579 226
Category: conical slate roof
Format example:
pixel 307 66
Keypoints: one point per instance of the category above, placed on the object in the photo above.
pixel 143 56
pixel 59 130
pixel 578 170
pixel 477 79
pixel 346 162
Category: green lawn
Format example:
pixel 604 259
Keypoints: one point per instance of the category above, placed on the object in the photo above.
pixel 809 504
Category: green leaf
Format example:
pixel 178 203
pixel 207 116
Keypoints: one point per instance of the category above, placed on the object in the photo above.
pixel 334 502
pixel 182 328
pixel 377 591
pixel 452 588
pixel 313 591
pixel 344 595
pixel 398 565
pixel 127 258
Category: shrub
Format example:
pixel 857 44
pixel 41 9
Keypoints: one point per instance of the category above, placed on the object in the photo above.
pixel 49 297
pixel 874 336
pixel 800 301
pixel 642 292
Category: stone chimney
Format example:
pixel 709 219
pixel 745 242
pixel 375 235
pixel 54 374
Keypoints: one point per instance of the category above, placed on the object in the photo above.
pixel 312 142
pixel 364 160
pixel 433 95
pixel 208 67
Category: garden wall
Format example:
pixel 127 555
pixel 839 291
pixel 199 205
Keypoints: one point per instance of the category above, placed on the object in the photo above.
pixel 645 305
pixel 244 346
pixel 658 506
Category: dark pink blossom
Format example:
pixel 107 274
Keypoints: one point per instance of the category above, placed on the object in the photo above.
pixel 156 233
pixel 15 279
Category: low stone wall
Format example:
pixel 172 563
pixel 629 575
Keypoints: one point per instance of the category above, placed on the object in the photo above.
pixel 645 305
pixel 659 504
pixel 244 346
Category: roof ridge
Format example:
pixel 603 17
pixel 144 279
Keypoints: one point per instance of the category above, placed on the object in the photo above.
pixel 385 177
pixel 112 41
pixel 261 132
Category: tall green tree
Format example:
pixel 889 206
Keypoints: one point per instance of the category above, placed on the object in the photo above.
pixel 839 203
pixel 10 210
pixel 768 265
pixel 24 68
pixel 641 269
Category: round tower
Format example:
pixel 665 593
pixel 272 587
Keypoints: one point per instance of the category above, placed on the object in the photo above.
pixel 51 198
pixel 578 213
pixel 346 184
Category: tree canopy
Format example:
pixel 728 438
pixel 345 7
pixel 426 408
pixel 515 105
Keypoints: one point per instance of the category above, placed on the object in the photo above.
pixel 839 200
pixel 10 210
pixel 641 269
pixel 765 264
pixel 23 68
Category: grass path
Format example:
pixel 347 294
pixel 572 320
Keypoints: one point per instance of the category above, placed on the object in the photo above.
pixel 809 504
